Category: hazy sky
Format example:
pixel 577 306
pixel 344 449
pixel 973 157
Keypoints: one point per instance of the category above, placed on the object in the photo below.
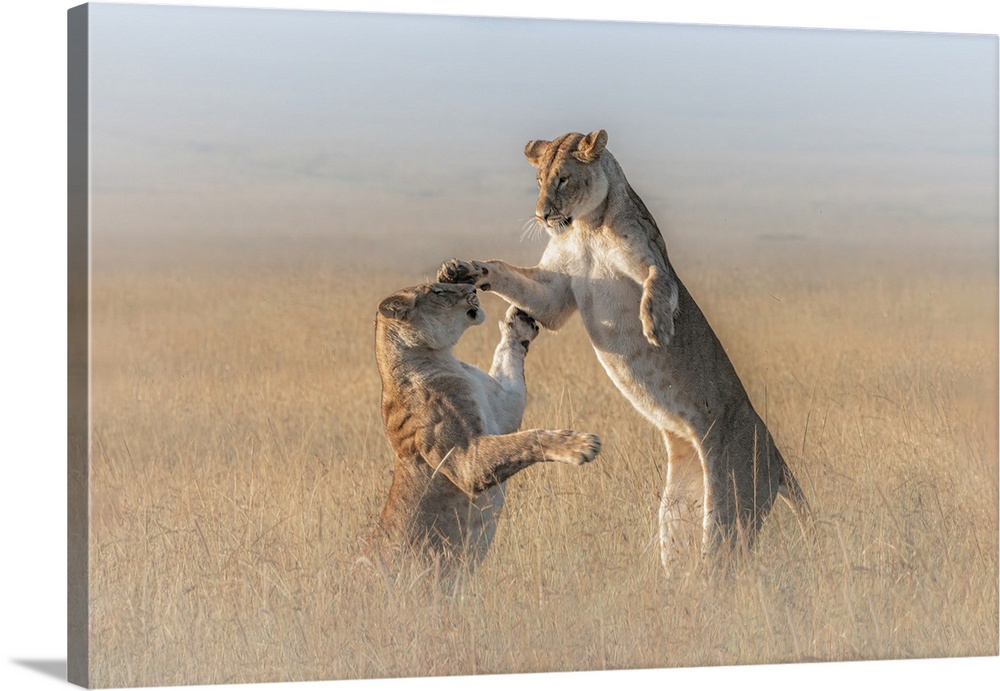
pixel 310 122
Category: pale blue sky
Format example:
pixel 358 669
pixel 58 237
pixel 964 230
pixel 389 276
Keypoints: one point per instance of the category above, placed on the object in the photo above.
pixel 284 121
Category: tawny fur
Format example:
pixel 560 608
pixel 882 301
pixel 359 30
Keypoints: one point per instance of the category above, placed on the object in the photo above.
pixel 607 259
pixel 452 427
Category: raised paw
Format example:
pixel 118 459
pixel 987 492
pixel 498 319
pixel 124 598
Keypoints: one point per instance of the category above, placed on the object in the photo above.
pixel 519 325
pixel 575 448
pixel 657 331
pixel 656 313
pixel 460 271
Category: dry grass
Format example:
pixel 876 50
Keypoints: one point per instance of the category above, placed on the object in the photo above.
pixel 238 456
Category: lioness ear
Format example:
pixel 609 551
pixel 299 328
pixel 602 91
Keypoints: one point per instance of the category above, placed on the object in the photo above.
pixel 591 147
pixel 533 151
pixel 396 306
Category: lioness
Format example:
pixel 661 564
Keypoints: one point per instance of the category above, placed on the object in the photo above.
pixel 606 257
pixel 452 427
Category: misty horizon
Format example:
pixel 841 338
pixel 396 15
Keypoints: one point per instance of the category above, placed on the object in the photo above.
pixel 264 122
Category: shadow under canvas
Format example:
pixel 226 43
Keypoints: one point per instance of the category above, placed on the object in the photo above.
pixel 50 668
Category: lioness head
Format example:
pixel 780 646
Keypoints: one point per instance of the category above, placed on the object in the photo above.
pixel 433 315
pixel 571 182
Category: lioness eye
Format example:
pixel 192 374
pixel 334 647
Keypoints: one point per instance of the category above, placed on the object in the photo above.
pixel 562 181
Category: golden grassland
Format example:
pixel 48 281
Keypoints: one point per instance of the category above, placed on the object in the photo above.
pixel 238 458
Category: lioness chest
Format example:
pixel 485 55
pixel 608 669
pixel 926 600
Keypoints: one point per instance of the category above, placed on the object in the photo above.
pixel 499 414
pixel 608 301
pixel 468 522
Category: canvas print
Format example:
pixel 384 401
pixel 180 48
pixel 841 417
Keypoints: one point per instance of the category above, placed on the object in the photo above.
pixel 411 345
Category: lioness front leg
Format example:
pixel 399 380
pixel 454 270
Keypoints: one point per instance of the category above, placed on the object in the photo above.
pixel 517 328
pixel 492 459
pixel 642 261
pixel 508 392
pixel 543 293
pixel 567 446
pixel 658 307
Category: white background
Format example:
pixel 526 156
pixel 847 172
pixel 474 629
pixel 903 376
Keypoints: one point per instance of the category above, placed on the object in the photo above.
pixel 33 336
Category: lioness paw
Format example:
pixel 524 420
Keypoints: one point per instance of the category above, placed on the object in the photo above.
pixel 575 448
pixel 656 313
pixel 519 325
pixel 658 331
pixel 460 271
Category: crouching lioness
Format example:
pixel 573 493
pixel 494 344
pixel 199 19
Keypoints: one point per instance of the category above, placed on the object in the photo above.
pixel 452 427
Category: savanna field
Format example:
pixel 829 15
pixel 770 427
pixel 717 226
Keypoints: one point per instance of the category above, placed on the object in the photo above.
pixel 238 459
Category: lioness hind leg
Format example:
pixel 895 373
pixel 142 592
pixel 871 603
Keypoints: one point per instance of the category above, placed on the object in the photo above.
pixel 727 522
pixel 741 487
pixel 681 511
pixel 791 493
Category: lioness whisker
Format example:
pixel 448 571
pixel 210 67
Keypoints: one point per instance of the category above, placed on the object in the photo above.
pixel 531 229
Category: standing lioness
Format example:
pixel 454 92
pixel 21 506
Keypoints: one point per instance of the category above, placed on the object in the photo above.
pixel 452 427
pixel 606 257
